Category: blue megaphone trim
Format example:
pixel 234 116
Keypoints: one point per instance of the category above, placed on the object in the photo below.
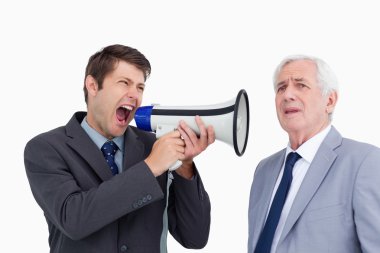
pixel 142 117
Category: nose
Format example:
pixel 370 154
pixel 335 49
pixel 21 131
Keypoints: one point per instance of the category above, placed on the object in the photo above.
pixel 290 92
pixel 132 92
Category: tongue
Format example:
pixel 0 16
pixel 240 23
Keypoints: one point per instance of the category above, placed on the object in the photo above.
pixel 122 114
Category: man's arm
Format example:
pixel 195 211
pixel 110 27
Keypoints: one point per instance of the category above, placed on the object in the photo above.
pixel 366 202
pixel 189 211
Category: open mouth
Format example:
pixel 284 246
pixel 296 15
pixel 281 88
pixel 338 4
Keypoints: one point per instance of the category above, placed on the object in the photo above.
pixel 123 112
pixel 291 110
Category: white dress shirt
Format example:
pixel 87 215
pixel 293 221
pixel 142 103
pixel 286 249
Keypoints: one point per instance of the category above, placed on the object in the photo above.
pixel 307 151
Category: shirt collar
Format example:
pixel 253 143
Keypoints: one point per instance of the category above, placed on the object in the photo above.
pixel 99 139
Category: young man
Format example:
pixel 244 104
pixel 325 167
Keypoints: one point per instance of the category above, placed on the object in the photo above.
pixel 102 184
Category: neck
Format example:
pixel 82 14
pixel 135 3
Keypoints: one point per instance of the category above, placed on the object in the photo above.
pixel 296 139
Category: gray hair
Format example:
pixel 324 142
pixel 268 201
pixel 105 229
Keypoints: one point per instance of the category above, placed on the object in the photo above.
pixel 326 78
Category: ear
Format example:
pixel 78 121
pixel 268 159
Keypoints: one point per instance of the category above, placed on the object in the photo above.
pixel 331 101
pixel 91 85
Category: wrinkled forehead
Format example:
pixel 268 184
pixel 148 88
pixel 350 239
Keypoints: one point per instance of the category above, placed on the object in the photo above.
pixel 297 70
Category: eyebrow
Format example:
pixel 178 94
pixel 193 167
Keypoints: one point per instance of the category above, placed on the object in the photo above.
pixel 282 83
pixel 130 80
pixel 297 79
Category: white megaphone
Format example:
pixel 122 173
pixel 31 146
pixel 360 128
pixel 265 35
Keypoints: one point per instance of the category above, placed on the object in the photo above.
pixel 229 119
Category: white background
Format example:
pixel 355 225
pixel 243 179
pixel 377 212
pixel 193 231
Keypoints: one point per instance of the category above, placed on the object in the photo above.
pixel 202 52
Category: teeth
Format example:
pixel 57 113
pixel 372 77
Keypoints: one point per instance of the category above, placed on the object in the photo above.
pixel 127 107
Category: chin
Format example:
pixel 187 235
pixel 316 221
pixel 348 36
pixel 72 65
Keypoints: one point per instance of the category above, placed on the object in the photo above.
pixel 292 127
pixel 119 131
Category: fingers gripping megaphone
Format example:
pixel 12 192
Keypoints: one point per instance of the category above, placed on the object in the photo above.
pixel 229 119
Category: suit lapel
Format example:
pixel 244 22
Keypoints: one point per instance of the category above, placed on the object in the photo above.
pixel 317 171
pixel 133 149
pixel 81 143
pixel 272 171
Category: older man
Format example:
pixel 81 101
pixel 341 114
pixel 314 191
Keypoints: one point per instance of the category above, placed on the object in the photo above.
pixel 320 193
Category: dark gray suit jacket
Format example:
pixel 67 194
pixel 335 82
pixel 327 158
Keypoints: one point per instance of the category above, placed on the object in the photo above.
pixel 88 210
pixel 337 207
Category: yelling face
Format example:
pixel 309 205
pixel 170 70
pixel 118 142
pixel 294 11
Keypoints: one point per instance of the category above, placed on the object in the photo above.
pixel 112 108
pixel 301 108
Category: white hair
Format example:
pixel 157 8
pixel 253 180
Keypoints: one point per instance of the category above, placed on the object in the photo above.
pixel 325 76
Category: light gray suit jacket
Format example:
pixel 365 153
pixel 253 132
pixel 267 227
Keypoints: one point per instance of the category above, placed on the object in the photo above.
pixel 337 208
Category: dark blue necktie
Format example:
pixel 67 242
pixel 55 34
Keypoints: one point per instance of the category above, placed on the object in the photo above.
pixel 265 240
pixel 109 149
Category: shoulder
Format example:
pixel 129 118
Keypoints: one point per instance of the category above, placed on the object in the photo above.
pixel 59 134
pixel 274 157
pixel 49 136
pixel 272 161
pixel 45 143
pixel 340 144
pixel 356 157
pixel 357 148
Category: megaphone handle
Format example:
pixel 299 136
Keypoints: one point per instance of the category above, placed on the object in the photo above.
pixel 175 166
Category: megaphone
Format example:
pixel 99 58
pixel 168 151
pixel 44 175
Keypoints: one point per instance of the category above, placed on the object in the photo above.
pixel 229 119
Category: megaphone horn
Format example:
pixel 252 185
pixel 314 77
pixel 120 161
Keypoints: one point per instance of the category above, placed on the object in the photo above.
pixel 229 119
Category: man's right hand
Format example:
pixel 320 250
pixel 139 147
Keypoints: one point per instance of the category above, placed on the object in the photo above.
pixel 165 152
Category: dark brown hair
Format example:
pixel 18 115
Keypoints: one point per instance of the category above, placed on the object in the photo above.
pixel 104 61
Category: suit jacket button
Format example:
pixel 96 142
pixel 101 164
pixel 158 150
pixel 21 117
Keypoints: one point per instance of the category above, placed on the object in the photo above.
pixel 139 202
pixel 123 248
pixel 148 197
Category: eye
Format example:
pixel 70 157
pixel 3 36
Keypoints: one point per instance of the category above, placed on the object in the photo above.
pixel 141 88
pixel 281 88
pixel 302 85
pixel 124 82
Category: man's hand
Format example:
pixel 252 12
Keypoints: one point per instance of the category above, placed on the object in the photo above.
pixel 165 152
pixel 194 145
pixel 182 144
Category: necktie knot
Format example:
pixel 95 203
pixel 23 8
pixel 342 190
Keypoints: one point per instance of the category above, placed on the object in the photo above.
pixel 109 149
pixel 292 159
